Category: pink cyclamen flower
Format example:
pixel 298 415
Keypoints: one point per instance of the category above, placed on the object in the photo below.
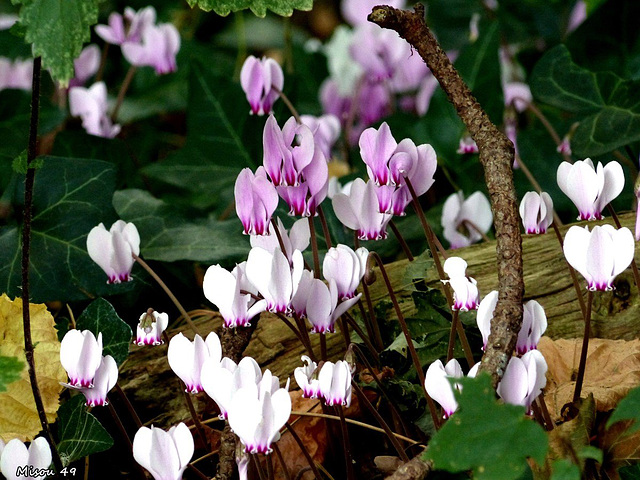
pixel 599 255
pixel 465 291
pixel 223 289
pixel 565 146
pixel 333 102
pixel 7 20
pixel 578 16
pixel 467 146
pixel 590 189
pixel 307 378
pixel 90 104
pixel 112 250
pixel 524 379
pixel 335 383
pixel 158 49
pixel 326 131
pixel 186 357
pixel 81 356
pixel 15 456
pixel 356 11
pixel 536 211
pixel 299 300
pixel 360 211
pixel 376 149
pixel 164 454
pixel 261 80
pixel 221 380
pixel 86 65
pixel 150 327
pixel 256 200
pixel 303 199
pixel 437 385
pixel 464 221
pixel 297 238
pixel 128 28
pixel 274 277
pixel 16 74
pixel 517 94
pixel 378 51
pixel 323 309
pixel 257 413
pixel 105 379
pixel 346 268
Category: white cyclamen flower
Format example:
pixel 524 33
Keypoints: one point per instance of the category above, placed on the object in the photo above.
pixel 164 454
pixel 186 357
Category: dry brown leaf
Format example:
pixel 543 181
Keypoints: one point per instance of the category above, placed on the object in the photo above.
pixel 18 415
pixel 619 448
pixel 613 368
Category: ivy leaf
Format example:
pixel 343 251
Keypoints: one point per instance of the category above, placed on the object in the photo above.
pixel 168 236
pixel 57 29
pixel 79 433
pixel 10 371
pixel 628 409
pixel 608 106
pixel 492 439
pixel 258 7
pixel 101 317
pixel 565 470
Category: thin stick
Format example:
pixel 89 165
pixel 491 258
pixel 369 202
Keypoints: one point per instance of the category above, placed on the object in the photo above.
pixel 198 473
pixel 129 406
pixel 283 464
pixel 256 462
pixel 316 274
pixel 297 333
pixel 585 347
pixel 364 337
pixel 279 236
pixel 542 405
pixel 574 277
pixel 306 454
pixel 407 335
pixel 173 298
pixel 269 462
pixel 370 321
pixel 452 335
pixel 123 91
pixel 86 467
pixel 346 444
pixel 140 471
pixel 325 227
pixel 305 334
pixel 634 265
pixel 32 152
pixel 103 62
pixel 288 103
pixel 401 241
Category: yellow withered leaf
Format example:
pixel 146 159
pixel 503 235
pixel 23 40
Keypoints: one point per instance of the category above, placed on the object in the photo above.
pixel 18 414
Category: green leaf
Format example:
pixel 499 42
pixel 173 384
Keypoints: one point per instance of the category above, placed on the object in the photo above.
pixel 79 433
pixel 168 236
pixel 565 470
pixel 71 196
pixel 57 29
pixel 10 371
pixel 20 164
pixel 101 317
pixel 628 409
pixel 492 439
pixel 608 106
pixel 258 7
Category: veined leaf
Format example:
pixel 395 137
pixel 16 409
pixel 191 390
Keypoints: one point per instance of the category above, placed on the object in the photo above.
pixel 101 317
pixel 10 371
pixel 258 7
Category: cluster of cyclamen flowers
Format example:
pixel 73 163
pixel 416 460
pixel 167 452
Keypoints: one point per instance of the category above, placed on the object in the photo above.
pixel 144 43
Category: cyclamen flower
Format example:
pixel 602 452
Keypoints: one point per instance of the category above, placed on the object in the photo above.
pixel 326 131
pixel 297 238
pixel 536 211
pixel 376 149
pixel 299 300
pixel 256 199
pixel 15 456
pixel 565 146
pixel 359 210
pixel 590 189
pixel 464 221
pixel 378 51
pixel 158 48
pixel 86 65
pixel 534 322
pixel 112 250
pixel 81 356
pixel 286 152
pixel 16 74
pixel 335 383
pixel 273 276
pixel 524 379
pixel 257 413
pixel 261 80
pixel 150 327
pixel 437 385
pixel 307 378
pixel 599 255
pixel 223 289
pixel 104 380
pixel 465 291
pixel 323 309
pixel 186 357
pixel 128 28
pixel 467 146
pixel 90 104
pixel 517 94
pixel 304 198
pixel 164 454
pixel 346 268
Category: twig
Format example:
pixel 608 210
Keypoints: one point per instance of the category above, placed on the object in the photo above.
pixel 123 91
pixel 325 227
pixel 288 103
pixel 496 156
pixel 283 464
pixel 401 240
pixel 32 152
pixel 140 471
pixel 346 444
pixel 312 464
pixel 585 348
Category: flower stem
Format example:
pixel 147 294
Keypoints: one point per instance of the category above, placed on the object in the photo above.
pixel 536 185
pixel 279 236
pixel 351 321
pixel 547 125
pixel 325 227
pixel 401 241
pixel 283 464
pixel 370 321
pixel 32 152
pixel 173 298
pixel 123 91
pixel 452 335
pixel 407 335
pixel 305 452
pixel 585 347
pixel 288 103
pixel 574 277
pixel 103 62
pixel 129 406
pixel 346 444
pixel 304 339
pixel 634 265
pixel 140 471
